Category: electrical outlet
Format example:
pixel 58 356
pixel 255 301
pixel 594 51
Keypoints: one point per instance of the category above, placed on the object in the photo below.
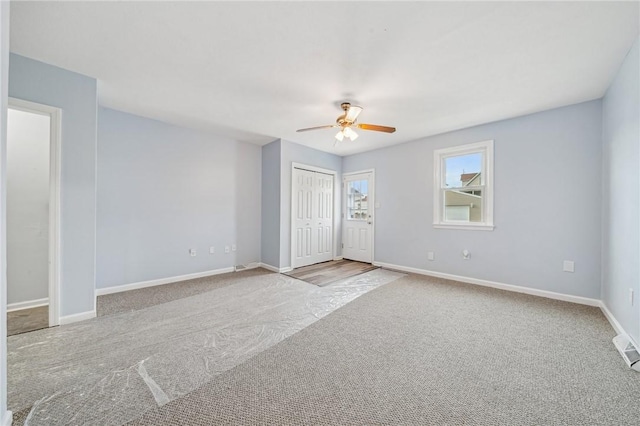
pixel 568 266
pixel 212 250
pixel 226 249
pixel 192 252
pixel 430 255
pixel 233 247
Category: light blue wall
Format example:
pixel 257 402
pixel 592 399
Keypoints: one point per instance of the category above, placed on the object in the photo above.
pixel 75 94
pixel 163 190
pixel 270 240
pixel 295 153
pixel 547 203
pixel 4 80
pixel 621 211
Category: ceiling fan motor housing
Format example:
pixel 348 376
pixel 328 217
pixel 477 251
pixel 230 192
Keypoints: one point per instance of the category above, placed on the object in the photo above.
pixel 342 119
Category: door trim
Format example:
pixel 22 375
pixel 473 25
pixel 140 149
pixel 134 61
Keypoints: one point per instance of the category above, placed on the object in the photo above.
pixel 54 198
pixel 307 167
pixel 375 213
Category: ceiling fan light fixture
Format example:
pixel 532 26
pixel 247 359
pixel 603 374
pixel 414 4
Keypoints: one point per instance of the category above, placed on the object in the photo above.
pixel 347 121
pixel 348 132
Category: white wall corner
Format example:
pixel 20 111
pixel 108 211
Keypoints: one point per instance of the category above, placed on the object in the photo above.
pixel 8 419
pixel 615 323
pixel 493 284
pixel 275 268
pixel 82 316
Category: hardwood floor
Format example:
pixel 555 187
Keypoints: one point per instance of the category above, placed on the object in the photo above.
pixel 325 273
pixel 26 320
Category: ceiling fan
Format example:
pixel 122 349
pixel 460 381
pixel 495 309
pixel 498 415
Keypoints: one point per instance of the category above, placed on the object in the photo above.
pixel 348 120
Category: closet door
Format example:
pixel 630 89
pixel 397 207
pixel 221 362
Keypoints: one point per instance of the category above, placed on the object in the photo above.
pixel 324 217
pixel 312 198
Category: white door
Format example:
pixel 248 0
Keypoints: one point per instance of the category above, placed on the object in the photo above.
pixel 357 234
pixel 324 219
pixel 312 198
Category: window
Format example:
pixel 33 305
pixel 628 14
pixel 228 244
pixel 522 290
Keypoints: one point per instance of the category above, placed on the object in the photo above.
pixel 463 192
pixel 358 200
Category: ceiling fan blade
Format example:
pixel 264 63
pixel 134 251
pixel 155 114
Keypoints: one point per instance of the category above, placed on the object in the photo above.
pixel 352 113
pixel 376 128
pixel 329 126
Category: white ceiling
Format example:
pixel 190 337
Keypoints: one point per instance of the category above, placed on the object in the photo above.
pixel 256 71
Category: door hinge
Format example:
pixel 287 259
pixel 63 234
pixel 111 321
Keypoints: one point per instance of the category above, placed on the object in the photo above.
pixel 342 245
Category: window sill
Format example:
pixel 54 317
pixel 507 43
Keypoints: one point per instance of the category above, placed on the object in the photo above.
pixel 478 227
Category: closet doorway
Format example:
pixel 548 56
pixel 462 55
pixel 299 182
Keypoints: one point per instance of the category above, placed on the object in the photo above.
pixel 312 215
pixel 32 203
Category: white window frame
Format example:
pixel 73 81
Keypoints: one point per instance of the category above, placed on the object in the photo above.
pixel 439 157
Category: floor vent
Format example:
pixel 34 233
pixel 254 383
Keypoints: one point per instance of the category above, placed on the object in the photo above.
pixel 628 351
pixel 240 268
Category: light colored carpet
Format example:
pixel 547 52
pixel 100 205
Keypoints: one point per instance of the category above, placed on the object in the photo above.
pixel 425 351
pixel 325 273
pixel 134 300
pixel 112 369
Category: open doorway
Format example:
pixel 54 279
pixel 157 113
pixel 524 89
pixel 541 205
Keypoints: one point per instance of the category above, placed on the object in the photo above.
pixel 32 201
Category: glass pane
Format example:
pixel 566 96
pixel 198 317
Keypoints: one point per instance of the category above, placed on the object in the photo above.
pixel 463 170
pixel 357 200
pixel 463 206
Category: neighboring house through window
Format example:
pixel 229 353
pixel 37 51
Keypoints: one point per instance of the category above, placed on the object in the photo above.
pixel 463 192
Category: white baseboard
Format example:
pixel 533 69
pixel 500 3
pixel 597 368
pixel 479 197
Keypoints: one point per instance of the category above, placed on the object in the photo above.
pixel 161 281
pixel 18 306
pixel 275 268
pixel 338 258
pixel 70 319
pixel 509 287
pixel 7 419
pixel 612 320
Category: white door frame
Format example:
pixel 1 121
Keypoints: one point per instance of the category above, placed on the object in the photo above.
pixel 372 195
pixel 333 173
pixel 54 198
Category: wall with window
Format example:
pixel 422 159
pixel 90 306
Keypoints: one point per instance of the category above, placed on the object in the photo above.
pixel 547 193
pixel 621 204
